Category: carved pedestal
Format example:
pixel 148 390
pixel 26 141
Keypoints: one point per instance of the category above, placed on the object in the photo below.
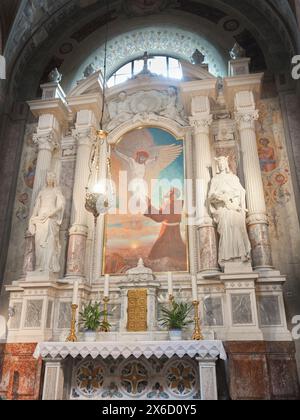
pixel 242 317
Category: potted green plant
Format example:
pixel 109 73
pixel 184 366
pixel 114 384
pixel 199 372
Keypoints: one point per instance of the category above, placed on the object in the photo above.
pixel 90 318
pixel 176 319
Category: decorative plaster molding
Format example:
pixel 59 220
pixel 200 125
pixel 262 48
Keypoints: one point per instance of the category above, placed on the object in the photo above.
pixel 148 121
pixel 85 136
pixel 246 119
pixel 145 105
pixel 164 40
pixel 46 141
pixel 201 124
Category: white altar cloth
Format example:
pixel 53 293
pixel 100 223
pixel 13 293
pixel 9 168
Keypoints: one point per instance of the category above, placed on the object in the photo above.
pixel 202 349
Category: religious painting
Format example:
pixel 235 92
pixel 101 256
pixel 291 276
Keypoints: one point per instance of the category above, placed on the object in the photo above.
pixel 267 155
pixel 277 180
pixel 149 219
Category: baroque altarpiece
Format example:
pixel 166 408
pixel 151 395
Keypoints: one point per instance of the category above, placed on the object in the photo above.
pixel 202 129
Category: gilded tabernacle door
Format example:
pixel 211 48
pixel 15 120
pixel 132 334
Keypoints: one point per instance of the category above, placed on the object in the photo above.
pixel 137 310
pixel 149 220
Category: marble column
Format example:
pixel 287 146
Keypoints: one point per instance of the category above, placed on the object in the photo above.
pixel 257 219
pixel 207 238
pixel 208 379
pixel 53 381
pixel 85 137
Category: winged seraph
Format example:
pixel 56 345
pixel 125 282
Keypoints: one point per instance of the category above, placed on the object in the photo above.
pixel 165 156
pixel 149 163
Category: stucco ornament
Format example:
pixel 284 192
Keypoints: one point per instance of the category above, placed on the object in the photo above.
pixel 55 76
pixel 145 104
pixel 140 273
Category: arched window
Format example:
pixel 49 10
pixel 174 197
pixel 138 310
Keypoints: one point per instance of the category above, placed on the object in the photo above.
pixel 164 66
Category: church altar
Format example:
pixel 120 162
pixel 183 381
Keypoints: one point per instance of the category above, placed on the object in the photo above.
pixel 138 378
pixel 216 257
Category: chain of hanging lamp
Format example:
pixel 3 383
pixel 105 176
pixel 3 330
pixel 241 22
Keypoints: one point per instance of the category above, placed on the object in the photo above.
pixel 96 202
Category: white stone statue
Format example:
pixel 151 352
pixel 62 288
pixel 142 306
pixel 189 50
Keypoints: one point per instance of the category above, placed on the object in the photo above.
pixel 173 109
pixel 227 200
pixel 45 224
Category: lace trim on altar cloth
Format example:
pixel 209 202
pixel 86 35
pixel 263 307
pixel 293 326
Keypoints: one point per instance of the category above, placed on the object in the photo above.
pixel 202 349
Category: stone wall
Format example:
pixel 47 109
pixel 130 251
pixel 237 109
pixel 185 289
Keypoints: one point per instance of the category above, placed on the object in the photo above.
pixel 20 373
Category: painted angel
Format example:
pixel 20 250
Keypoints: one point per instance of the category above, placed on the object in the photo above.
pixel 147 165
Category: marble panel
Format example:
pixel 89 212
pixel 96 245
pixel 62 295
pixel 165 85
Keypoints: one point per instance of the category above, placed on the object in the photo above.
pixel 213 312
pixel 15 321
pixel 64 315
pixel 269 311
pixel 33 317
pixel 241 309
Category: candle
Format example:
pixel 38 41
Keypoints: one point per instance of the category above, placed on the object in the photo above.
pixel 75 292
pixel 195 288
pixel 170 284
pixel 106 285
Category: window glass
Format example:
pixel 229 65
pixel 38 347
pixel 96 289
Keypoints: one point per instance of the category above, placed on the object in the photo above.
pixel 175 70
pixel 138 66
pixel 160 65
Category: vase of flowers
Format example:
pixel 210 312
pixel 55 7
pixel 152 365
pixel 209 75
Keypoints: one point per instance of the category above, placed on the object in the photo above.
pixel 176 318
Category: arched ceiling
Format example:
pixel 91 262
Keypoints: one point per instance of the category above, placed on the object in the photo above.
pixel 70 33
pixel 8 9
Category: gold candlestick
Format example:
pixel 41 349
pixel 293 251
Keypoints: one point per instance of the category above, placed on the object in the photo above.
pixel 197 332
pixel 105 327
pixel 72 337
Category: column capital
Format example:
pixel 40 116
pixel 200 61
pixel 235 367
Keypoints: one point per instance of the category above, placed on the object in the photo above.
pixel 46 141
pixel 85 136
pixel 246 119
pixel 201 124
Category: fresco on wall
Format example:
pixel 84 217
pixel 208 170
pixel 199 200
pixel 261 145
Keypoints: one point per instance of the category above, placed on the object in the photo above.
pixel 279 194
pixel 153 225
pixel 15 259
pixel 26 180
pixel 273 155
